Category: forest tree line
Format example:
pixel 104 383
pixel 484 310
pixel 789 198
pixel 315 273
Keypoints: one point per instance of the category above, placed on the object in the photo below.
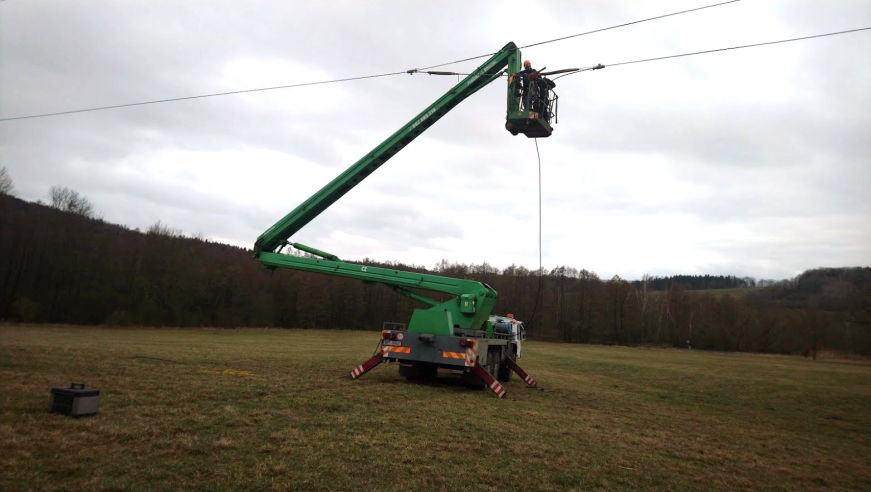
pixel 61 266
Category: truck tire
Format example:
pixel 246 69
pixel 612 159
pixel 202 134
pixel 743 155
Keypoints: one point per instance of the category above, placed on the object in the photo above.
pixel 494 357
pixel 504 374
pixel 419 371
pixel 472 381
pixel 505 371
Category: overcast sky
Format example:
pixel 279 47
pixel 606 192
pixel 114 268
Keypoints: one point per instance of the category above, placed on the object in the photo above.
pixel 752 162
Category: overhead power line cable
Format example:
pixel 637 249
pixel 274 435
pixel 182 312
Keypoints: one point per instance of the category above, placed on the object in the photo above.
pixel 754 45
pixel 202 96
pixel 666 57
pixel 417 71
pixel 216 94
pixel 586 33
pixel 629 23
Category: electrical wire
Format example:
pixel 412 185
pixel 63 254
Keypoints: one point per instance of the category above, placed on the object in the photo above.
pixel 202 96
pixel 243 91
pixel 716 50
pixel 586 33
pixel 629 23
pixel 422 70
pixel 766 43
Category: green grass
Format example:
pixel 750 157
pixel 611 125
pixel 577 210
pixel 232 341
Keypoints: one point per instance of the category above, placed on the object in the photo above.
pixel 274 409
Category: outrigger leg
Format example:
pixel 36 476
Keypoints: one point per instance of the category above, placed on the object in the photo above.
pixel 366 366
pixel 520 372
pixel 490 381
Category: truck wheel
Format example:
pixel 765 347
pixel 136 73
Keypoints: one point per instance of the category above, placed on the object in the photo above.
pixel 429 372
pixel 472 381
pixel 493 359
pixel 418 372
pixel 504 374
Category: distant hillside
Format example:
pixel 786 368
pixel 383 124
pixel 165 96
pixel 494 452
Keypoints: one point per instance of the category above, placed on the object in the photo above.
pixel 699 282
pixel 59 267
pixel 828 289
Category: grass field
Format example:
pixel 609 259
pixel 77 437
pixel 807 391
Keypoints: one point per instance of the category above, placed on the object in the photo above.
pixel 274 409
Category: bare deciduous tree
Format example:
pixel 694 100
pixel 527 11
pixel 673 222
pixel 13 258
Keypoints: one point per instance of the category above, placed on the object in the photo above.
pixel 69 200
pixel 161 229
pixel 6 187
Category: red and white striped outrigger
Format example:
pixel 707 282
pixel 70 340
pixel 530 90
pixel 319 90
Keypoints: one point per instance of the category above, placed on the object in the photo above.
pixel 366 366
pixel 482 373
pixel 490 381
pixel 520 372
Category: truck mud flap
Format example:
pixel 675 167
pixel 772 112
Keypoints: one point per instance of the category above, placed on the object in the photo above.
pixel 490 381
pixel 520 372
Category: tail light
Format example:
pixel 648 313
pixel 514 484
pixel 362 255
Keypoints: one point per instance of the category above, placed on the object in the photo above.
pixel 392 335
pixel 466 342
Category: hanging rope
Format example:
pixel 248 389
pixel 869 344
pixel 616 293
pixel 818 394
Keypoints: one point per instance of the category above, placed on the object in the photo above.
pixel 540 275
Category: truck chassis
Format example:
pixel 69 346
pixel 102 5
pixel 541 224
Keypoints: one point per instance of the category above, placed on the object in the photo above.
pixel 480 358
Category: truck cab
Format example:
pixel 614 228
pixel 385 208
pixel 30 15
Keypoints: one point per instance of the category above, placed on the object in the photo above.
pixel 507 325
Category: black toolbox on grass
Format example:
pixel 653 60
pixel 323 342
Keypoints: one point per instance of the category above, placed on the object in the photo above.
pixel 76 400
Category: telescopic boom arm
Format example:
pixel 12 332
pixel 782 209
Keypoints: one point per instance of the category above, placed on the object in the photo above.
pixel 277 235
pixel 473 301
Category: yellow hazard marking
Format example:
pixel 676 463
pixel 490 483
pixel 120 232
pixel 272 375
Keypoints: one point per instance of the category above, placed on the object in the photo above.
pixel 453 355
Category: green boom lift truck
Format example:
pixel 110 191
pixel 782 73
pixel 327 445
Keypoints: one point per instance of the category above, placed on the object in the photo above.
pixel 459 334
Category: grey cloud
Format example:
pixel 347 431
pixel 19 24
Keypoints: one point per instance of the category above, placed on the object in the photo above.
pixel 742 159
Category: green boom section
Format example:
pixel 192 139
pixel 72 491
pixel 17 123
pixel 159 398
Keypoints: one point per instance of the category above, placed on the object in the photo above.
pixel 473 301
pixel 469 310
pixel 277 235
